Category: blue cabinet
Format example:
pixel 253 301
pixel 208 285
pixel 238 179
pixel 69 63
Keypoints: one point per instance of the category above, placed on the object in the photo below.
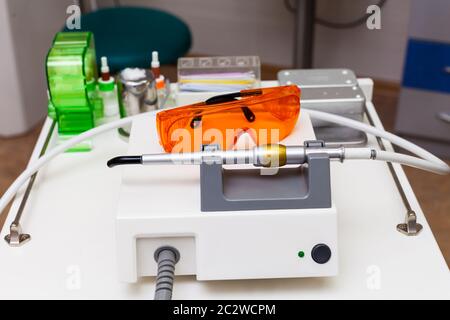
pixel 427 66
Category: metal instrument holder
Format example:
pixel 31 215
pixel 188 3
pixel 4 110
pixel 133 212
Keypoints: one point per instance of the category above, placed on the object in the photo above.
pixel 16 237
pixel 410 227
pixel 304 187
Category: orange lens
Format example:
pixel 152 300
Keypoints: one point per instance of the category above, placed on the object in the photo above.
pixel 268 115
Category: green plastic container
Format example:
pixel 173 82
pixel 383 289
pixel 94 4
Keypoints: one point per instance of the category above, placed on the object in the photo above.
pixel 71 77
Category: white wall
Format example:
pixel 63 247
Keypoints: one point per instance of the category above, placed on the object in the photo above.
pixel 265 28
pixel 26 32
pixel 10 97
pixel 375 53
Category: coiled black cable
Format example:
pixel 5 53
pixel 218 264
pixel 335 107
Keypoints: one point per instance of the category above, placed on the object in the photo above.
pixel 337 25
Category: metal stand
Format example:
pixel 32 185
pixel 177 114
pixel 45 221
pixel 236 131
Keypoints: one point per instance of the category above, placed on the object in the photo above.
pixel 304 34
pixel 16 238
pixel 411 227
pixel 302 187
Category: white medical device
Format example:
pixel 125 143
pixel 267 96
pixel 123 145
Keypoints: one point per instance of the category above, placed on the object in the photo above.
pixel 162 205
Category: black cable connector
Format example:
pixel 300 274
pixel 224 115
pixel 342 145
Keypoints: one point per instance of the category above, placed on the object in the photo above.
pixel 167 258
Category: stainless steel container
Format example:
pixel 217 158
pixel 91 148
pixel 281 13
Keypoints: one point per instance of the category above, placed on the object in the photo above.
pixel 137 92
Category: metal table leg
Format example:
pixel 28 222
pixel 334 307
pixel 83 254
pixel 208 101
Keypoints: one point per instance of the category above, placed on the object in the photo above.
pixel 304 33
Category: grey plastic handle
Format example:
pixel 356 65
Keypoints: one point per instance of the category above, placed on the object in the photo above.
pixel 444 116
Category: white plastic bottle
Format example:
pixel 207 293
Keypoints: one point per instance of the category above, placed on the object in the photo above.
pixel 108 91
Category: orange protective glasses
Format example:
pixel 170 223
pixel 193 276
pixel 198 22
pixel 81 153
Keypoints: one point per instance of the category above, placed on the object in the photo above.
pixel 268 115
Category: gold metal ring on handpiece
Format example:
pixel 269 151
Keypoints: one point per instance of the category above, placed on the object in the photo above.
pixel 273 155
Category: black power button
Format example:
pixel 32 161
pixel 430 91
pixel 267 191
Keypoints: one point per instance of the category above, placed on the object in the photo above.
pixel 321 253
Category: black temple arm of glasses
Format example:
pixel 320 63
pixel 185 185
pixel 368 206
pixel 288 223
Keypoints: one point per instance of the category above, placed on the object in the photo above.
pixel 249 115
pixel 223 98
pixel 232 96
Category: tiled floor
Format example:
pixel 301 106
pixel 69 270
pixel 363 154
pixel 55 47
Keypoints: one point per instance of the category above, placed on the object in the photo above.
pixel 433 191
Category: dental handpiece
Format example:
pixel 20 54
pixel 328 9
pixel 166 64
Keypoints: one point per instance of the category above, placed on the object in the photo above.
pixel 272 155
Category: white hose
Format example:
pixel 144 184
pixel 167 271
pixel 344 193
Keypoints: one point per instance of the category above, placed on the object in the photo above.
pixel 39 163
pixel 430 162
pixel 368 153
pixel 411 161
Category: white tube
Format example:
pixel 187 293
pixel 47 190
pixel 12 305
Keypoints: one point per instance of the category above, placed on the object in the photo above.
pixel 437 164
pixel 39 163
pixel 409 161
pixel 358 153
pixel 368 153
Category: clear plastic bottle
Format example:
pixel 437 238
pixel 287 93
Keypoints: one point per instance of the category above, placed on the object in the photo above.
pixel 161 91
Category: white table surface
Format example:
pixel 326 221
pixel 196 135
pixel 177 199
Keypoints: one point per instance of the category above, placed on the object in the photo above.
pixel 70 216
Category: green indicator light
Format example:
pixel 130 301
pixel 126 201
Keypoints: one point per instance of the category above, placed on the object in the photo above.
pixel 301 254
